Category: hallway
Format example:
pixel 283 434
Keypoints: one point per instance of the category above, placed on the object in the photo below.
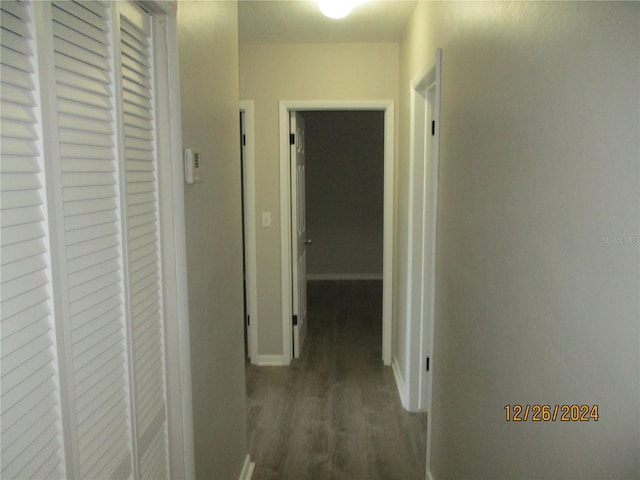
pixel 335 412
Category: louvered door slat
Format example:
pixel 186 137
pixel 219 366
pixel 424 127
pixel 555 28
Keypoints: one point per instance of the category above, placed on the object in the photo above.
pixel 141 208
pixel 12 19
pixel 39 448
pixel 99 217
pixel 143 241
pixel 19 130
pixel 63 62
pixel 139 133
pixel 82 124
pixel 15 59
pixel 60 30
pixel 91 205
pixel 37 312
pixel 37 374
pixel 135 120
pixel 102 361
pixel 79 11
pixel 19 78
pixel 81 82
pixel 18 202
pixel 65 18
pixel 136 94
pixel 88 98
pixel 30 402
pixel 17 233
pixel 10 39
pixel 15 94
pixel 94 333
pixel 78 276
pixel 89 397
pixel 97 7
pixel 137 79
pixel 99 464
pixel 14 270
pixel 153 463
pixel 23 180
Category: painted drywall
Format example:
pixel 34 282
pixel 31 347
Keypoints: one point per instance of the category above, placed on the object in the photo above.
pixel 344 193
pixel 270 73
pixel 208 51
pixel 537 298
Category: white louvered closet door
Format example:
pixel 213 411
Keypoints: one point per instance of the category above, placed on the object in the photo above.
pixel 32 440
pixel 92 238
pixel 82 341
pixel 143 233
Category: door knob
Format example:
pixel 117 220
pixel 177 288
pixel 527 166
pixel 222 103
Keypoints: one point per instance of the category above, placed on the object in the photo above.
pixel 308 241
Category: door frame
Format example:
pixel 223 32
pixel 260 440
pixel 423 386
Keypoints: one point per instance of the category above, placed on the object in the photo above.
pixel 386 106
pixel 250 249
pixel 173 240
pixel 425 94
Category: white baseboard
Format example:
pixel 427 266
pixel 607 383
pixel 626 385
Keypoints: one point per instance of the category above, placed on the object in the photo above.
pixel 399 382
pixel 270 361
pixel 343 276
pixel 247 469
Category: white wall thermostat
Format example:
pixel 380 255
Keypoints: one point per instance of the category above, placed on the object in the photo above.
pixel 192 158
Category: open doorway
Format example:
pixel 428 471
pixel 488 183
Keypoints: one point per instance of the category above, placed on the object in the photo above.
pixel 345 194
pixel 289 205
pixel 344 205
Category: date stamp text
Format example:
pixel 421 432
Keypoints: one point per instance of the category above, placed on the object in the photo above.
pixel 551 413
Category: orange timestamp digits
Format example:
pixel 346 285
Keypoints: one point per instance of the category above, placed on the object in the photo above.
pixel 548 413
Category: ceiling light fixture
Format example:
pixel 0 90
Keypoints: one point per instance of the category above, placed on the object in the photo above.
pixel 337 8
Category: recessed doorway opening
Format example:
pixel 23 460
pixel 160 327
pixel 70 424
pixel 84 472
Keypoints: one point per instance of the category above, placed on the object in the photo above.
pixel 288 202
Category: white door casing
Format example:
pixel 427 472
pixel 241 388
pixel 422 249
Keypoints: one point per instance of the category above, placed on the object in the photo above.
pixel 246 108
pixel 298 232
pixel 285 107
pixel 423 196
pixel 423 209
pixel 423 203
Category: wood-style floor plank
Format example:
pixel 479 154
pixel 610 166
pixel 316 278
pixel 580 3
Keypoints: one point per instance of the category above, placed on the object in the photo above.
pixel 335 412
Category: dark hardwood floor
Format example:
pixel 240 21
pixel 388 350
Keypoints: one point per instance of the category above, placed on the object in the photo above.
pixel 335 412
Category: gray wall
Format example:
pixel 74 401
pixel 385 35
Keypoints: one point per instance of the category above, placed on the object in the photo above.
pixel 268 74
pixel 538 234
pixel 208 49
pixel 344 193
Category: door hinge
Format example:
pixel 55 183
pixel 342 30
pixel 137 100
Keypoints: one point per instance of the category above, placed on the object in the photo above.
pixel 427 364
pixel 248 320
pixel 433 127
pixel 244 140
pixel 294 320
pixel 292 139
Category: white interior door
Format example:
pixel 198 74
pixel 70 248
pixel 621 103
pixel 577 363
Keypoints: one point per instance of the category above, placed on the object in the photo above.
pixel 299 233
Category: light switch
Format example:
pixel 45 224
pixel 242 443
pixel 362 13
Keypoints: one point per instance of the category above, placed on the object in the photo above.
pixel 266 219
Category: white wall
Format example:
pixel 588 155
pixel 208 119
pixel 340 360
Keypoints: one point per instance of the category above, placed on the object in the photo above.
pixel 269 73
pixel 207 34
pixel 344 193
pixel 538 234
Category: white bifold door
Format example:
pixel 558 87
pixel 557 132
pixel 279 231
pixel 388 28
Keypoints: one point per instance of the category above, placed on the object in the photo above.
pixel 83 392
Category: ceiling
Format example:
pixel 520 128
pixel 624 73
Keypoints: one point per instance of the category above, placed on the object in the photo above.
pixel 300 21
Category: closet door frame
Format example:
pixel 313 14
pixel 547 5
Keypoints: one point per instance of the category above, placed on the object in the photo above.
pixel 173 239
